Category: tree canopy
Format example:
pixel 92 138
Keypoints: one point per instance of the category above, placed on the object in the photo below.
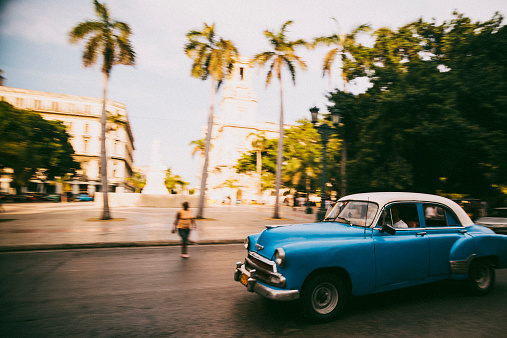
pixel 434 119
pixel 29 143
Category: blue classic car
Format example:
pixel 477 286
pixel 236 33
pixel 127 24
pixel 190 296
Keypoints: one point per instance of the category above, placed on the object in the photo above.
pixel 370 243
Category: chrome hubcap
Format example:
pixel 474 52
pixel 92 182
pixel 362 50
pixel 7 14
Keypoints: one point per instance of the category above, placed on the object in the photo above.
pixel 325 298
pixel 483 277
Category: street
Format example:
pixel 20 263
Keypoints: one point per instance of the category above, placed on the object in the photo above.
pixel 153 292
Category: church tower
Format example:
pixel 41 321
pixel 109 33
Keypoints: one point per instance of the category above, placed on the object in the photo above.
pixel 239 100
pixel 234 128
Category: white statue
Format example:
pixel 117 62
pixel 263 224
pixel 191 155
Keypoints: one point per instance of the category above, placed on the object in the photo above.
pixel 156 174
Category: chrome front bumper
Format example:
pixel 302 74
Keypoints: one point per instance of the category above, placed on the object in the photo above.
pixel 266 291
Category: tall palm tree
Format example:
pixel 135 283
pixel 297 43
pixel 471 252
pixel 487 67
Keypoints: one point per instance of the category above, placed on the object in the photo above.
pixel 110 39
pixel 342 44
pixel 212 57
pixel 283 53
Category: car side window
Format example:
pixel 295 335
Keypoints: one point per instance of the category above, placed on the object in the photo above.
pixel 400 215
pixel 438 216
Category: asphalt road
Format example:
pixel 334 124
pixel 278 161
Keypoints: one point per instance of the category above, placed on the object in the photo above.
pixel 153 292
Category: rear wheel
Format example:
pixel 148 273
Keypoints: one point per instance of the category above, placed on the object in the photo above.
pixel 323 297
pixel 481 277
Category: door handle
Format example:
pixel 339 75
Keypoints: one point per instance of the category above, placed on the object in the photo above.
pixel 421 233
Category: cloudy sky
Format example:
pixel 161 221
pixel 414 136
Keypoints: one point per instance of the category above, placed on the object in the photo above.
pixel 163 101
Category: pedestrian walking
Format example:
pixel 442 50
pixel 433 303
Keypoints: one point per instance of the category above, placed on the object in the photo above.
pixel 2 209
pixel 184 222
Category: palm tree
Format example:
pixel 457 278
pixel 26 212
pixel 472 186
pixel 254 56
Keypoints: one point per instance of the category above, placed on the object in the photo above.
pixel 110 39
pixel 259 145
pixel 199 146
pixel 342 44
pixel 282 54
pixel 212 57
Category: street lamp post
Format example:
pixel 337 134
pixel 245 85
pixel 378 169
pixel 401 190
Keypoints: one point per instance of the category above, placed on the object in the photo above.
pixel 325 132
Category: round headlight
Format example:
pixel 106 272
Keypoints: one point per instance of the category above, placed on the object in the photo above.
pixel 247 242
pixel 280 257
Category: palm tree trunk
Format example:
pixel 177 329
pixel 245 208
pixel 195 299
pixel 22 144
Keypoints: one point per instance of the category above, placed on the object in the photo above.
pixel 259 175
pixel 206 153
pixel 103 155
pixel 343 164
pixel 279 157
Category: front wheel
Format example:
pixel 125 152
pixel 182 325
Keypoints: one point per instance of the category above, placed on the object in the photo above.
pixel 323 297
pixel 481 277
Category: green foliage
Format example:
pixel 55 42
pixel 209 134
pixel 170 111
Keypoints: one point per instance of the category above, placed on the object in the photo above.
pixel 172 182
pixel 136 181
pixel 104 36
pixel 29 143
pixel 282 54
pixel 302 158
pixel 212 55
pixel 435 119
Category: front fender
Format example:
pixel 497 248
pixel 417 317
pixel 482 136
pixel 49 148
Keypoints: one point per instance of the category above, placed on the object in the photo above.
pixel 355 256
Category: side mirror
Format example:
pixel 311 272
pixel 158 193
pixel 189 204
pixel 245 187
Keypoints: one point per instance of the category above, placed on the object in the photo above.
pixel 386 227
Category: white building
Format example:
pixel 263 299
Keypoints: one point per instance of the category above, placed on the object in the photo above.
pixel 81 116
pixel 235 126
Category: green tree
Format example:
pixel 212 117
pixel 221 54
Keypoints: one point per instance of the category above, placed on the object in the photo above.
pixel 172 182
pixel 434 120
pixel 110 39
pixel 199 146
pixel 136 181
pixel 282 55
pixel 213 57
pixel 29 143
pixel 258 145
pixel 301 157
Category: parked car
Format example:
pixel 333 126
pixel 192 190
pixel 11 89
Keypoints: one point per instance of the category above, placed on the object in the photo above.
pixel 52 197
pixel 83 198
pixel 370 243
pixel 496 221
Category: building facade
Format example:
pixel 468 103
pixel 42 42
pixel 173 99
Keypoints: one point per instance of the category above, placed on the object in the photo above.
pixel 81 116
pixel 235 126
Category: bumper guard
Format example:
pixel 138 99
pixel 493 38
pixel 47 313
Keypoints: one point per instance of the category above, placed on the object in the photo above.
pixel 261 289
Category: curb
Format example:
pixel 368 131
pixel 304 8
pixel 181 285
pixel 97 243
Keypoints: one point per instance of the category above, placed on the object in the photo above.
pixel 68 246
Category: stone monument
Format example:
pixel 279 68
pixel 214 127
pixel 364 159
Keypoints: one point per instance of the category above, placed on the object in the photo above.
pixel 156 174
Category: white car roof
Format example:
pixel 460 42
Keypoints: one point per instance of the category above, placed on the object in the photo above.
pixel 383 198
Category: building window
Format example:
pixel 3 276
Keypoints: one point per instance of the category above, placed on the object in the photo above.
pixel 55 106
pixel 19 102
pixel 241 73
pixel 37 104
pixel 85 145
pixel 88 109
pixel 87 127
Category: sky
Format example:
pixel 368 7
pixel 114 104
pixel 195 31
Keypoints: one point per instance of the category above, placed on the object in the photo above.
pixel 163 101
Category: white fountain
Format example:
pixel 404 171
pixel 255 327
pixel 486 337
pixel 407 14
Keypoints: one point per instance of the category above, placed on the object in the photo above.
pixel 156 174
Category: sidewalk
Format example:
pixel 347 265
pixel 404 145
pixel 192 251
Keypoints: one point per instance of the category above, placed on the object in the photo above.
pixel 48 226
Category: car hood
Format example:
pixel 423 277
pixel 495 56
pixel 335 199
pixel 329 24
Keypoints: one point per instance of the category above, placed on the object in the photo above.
pixel 279 236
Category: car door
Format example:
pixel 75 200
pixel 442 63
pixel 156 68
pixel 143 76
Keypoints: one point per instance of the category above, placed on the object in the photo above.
pixel 401 258
pixel 443 230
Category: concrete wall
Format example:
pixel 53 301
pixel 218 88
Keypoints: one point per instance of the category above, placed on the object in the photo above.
pixel 144 200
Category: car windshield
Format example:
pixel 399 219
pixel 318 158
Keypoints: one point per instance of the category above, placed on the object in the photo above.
pixel 358 213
